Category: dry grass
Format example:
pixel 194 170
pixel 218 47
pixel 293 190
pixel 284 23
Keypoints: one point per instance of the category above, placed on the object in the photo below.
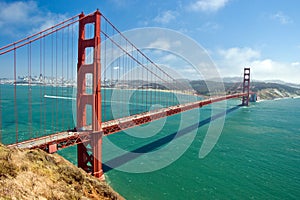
pixel 34 174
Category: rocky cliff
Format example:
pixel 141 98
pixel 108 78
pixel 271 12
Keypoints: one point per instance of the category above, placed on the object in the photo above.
pixel 34 174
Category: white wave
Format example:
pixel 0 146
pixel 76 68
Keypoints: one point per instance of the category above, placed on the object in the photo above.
pixel 59 97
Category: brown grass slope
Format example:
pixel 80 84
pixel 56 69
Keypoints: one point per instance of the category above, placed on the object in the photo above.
pixel 34 174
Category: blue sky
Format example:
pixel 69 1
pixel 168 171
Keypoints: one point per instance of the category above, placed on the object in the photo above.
pixel 237 33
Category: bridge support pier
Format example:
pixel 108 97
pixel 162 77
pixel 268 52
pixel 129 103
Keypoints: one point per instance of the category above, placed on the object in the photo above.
pixel 89 156
pixel 89 153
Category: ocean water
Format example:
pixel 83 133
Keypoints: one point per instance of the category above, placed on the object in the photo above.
pixel 257 155
pixel 40 117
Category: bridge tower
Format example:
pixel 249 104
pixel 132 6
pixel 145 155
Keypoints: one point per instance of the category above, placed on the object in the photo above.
pixel 246 87
pixel 89 153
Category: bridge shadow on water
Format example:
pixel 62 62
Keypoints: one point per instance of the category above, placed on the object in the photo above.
pixel 122 159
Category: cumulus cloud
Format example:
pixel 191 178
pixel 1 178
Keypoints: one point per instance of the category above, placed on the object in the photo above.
pixel 169 58
pixel 296 64
pixel 160 43
pixel 165 43
pixel 15 14
pixel 165 17
pixel 233 60
pixel 239 54
pixel 281 18
pixel 208 5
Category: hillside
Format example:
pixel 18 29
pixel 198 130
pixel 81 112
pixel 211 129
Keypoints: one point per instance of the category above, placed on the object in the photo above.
pixel 271 91
pixel 34 174
pixel 264 90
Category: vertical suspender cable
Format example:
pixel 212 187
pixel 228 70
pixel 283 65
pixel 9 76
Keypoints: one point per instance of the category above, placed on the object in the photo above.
pixel 170 102
pixel 158 88
pixel 0 114
pixel 52 82
pixel 67 64
pixel 72 57
pixel 40 88
pixel 105 77
pixel 131 79
pixel 56 81
pixel 151 92
pixel 111 67
pixel 149 86
pixel 143 85
pixel 123 81
pixel 174 91
pixel 44 85
pixel 72 70
pixel 62 78
pixel 15 95
pixel 119 59
pixel 138 76
pixel 111 63
pixel 127 77
pixel 121 72
pixel 29 93
pixel 67 79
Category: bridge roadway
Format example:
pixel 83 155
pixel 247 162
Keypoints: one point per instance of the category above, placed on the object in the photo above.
pixel 53 142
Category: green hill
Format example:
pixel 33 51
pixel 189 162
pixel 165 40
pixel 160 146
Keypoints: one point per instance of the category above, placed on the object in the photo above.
pixel 274 90
pixel 264 90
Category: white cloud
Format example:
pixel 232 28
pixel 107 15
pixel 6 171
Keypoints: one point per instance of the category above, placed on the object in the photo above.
pixel 281 18
pixel 160 43
pixel 208 5
pixel 169 58
pixel 16 11
pixel 233 60
pixel 165 43
pixel 165 17
pixel 44 22
pixel 20 18
pixel 239 54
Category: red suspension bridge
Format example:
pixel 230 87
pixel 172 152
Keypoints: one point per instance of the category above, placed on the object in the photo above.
pixel 36 97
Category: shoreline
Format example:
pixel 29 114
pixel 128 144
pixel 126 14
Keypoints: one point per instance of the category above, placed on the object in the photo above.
pixel 279 98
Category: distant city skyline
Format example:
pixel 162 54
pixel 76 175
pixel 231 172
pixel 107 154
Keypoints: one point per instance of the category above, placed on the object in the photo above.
pixel 263 35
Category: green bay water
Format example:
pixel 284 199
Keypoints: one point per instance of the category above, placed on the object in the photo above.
pixel 257 155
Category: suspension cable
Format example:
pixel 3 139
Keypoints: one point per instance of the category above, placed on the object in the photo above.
pixel 34 37
pixel 137 49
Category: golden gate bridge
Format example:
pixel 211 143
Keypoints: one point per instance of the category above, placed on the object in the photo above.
pixel 41 99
